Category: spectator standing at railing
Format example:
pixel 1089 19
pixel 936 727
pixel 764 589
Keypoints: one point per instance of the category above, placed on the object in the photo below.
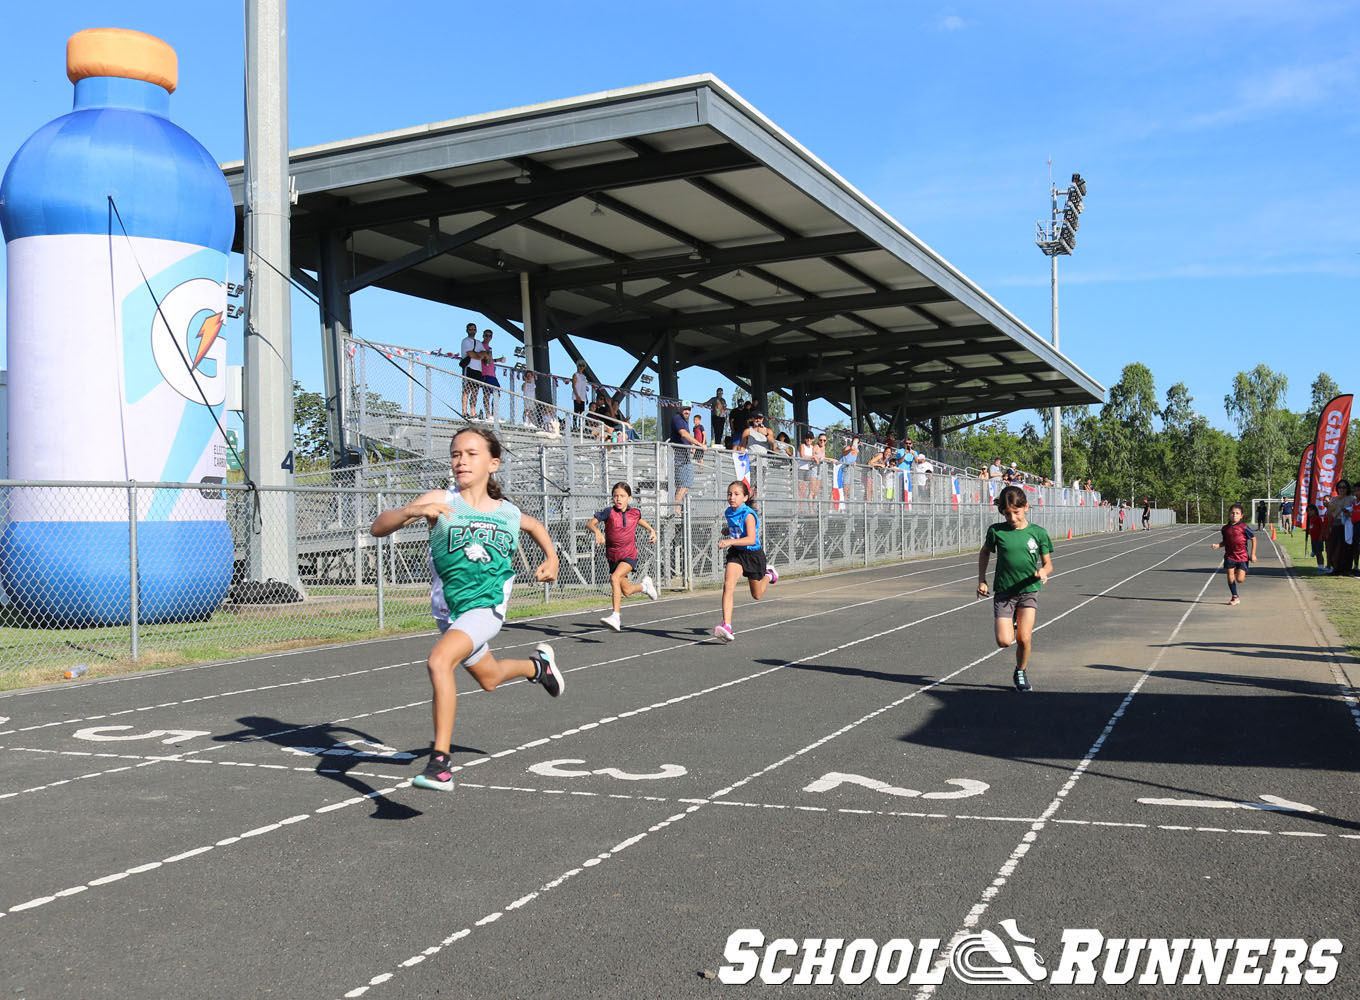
pixel 849 457
pixel 580 394
pixel 739 417
pixel 470 361
pixel 717 416
pixel 683 470
pixel 490 395
pixel 806 469
pixel 818 462
pixel 757 440
pixel 626 429
pixel 699 436
pixel 994 470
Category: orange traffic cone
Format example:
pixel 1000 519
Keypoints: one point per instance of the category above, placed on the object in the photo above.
pixel 1272 532
pixel 1069 534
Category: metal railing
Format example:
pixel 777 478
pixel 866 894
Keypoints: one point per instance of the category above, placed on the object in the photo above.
pixel 86 582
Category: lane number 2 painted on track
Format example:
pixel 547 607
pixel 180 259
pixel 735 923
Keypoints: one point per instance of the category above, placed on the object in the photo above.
pixel 967 787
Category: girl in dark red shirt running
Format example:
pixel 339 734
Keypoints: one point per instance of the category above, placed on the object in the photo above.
pixel 1236 555
pixel 619 540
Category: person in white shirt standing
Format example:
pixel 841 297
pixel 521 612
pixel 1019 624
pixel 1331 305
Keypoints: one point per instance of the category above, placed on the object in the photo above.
pixel 580 393
pixel 469 361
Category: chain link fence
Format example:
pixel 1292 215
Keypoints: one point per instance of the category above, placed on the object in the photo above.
pixel 221 572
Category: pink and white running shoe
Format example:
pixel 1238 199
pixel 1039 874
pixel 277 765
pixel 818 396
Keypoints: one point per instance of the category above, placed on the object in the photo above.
pixel 723 632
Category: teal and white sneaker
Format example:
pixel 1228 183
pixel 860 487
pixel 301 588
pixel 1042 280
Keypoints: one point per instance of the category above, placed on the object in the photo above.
pixel 437 776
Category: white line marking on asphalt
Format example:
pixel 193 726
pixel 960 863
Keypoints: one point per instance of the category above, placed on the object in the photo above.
pixel 359 991
pixel 385 791
pixel 1268 803
pixel 1003 875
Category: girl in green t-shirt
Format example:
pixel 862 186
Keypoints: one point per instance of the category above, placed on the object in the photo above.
pixel 474 532
pixel 1023 563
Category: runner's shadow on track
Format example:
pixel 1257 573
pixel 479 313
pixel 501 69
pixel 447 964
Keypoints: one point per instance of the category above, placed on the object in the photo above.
pixel 1159 600
pixel 1255 650
pixel 334 761
pixel 827 668
pixel 1207 732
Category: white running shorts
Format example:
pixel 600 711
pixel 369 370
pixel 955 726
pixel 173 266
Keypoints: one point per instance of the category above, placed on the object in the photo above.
pixel 481 625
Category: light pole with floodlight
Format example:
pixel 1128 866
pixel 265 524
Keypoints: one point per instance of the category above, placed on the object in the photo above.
pixel 1056 237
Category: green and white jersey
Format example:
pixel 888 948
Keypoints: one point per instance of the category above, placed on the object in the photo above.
pixel 471 553
pixel 1019 554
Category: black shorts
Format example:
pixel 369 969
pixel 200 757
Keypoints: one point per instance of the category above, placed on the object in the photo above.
pixel 614 564
pixel 1236 564
pixel 752 562
pixel 1009 605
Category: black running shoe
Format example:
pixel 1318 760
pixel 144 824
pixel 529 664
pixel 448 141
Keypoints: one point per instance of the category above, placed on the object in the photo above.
pixel 547 675
pixel 437 775
pixel 1021 682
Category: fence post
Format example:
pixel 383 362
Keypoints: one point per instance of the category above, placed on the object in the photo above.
pixel 134 587
pixel 363 405
pixel 821 537
pixel 687 558
pixel 429 412
pixel 866 531
pixel 382 594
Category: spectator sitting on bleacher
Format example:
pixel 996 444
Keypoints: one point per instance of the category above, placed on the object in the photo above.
pixel 1012 474
pixel 923 465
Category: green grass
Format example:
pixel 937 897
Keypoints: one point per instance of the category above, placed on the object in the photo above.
pixel 30 656
pixel 1340 600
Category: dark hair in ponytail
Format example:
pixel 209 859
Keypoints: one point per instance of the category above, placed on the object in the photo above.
pixel 1011 498
pixel 493 446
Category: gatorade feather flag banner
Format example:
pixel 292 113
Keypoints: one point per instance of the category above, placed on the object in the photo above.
pixel 742 463
pixel 838 488
pixel 1301 492
pixel 1329 447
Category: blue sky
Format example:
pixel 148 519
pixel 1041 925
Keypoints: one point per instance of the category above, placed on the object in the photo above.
pixel 1220 141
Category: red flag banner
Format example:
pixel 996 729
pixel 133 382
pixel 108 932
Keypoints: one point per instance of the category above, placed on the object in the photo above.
pixel 1329 448
pixel 1301 491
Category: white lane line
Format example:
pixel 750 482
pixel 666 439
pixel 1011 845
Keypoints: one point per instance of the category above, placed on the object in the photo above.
pixel 1348 691
pixel 1032 835
pixel 335 806
pixel 209 697
pixel 407 663
pixel 712 799
pixel 425 701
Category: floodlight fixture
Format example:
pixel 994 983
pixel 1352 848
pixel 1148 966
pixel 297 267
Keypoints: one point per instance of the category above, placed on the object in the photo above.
pixel 1057 236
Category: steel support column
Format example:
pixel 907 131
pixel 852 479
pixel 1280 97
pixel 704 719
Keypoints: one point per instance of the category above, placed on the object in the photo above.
pixel 336 325
pixel 268 335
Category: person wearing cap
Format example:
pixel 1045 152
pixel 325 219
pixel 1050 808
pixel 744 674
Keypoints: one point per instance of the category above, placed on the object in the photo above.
pixel 757 440
pixel 470 361
pixel 717 416
pixel 684 471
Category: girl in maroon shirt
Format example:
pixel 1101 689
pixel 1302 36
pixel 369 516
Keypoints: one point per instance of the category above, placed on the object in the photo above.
pixel 1236 556
pixel 619 541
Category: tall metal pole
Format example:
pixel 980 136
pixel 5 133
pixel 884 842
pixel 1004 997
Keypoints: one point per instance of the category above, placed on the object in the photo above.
pixel 269 342
pixel 1057 410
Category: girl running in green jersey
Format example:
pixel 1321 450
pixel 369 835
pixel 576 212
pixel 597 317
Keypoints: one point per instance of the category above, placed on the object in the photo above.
pixel 474 532
pixel 1023 563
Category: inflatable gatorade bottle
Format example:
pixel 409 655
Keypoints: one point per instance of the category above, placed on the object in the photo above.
pixel 117 225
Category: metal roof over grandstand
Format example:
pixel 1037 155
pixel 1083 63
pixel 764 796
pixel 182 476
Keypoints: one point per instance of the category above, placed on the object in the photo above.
pixel 671 217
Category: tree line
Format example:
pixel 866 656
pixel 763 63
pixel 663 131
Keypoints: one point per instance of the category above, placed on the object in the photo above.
pixel 1139 444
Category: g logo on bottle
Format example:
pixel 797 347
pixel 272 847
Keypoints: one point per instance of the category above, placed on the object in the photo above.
pixel 186 340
